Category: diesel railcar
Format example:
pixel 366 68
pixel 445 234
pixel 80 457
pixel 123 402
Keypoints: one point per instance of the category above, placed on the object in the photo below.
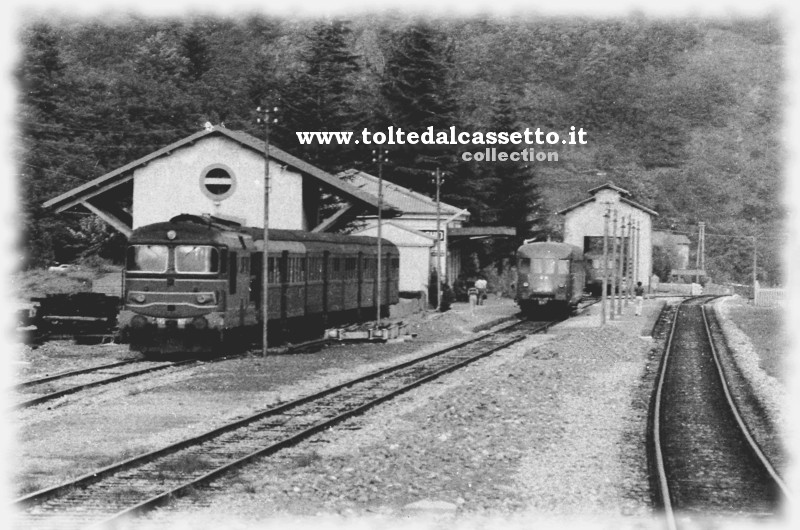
pixel 550 277
pixel 194 284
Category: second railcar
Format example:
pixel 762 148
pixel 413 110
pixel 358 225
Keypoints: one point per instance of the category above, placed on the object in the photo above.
pixel 550 277
pixel 194 282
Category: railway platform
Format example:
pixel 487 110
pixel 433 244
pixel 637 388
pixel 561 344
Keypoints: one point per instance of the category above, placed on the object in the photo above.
pixel 494 311
pixel 641 325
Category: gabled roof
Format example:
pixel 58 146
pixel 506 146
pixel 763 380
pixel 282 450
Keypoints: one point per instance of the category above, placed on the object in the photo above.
pixel 623 198
pixel 611 186
pixel 429 239
pixel 403 199
pixel 123 174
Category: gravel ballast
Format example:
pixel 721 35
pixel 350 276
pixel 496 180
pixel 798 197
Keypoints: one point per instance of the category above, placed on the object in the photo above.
pixel 551 429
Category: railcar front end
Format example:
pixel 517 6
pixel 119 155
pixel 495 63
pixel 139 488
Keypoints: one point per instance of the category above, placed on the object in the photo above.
pixel 550 276
pixel 176 284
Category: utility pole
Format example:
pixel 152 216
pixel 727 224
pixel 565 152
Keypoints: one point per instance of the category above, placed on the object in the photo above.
pixel 379 157
pixel 702 247
pixel 603 295
pixel 438 243
pixel 630 257
pixel 700 258
pixel 638 251
pixel 613 263
pixel 264 260
pixel 755 269
pixel 621 269
pixel 624 258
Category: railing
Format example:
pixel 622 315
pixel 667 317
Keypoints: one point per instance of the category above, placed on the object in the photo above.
pixel 769 297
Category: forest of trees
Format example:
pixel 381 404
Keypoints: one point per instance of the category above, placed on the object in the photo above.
pixel 685 114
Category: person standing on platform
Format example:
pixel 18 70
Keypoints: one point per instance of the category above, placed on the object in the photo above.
pixel 472 293
pixel 480 284
pixel 639 292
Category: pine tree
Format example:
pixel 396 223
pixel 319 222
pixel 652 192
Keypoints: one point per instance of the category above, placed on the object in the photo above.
pixel 418 94
pixel 318 96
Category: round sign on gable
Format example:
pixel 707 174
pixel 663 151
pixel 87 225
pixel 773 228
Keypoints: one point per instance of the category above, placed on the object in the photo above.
pixel 217 182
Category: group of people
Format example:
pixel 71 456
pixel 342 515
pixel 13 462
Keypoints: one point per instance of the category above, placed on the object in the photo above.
pixel 477 293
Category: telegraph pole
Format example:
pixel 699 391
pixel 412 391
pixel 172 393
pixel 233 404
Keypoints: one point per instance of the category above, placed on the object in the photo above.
pixel 380 158
pixel 621 270
pixel 603 295
pixel 613 263
pixel 630 257
pixel 438 243
pixel 264 260
pixel 700 258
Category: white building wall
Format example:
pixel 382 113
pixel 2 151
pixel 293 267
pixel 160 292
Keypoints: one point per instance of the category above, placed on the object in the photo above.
pixel 588 220
pixel 172 185
pixel 415 255
pixel 449 265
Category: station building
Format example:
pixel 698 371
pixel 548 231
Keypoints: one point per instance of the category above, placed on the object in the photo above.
pixel 218 172
pixel 584 226
pixel 414 231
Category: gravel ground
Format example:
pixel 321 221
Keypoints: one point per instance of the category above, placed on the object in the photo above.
pixel 551 430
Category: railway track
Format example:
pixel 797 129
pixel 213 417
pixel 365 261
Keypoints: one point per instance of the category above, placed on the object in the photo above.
pixel 110 495
pixel 707 462
pixel 42 390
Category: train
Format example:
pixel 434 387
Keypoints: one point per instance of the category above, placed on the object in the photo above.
pixel 193 284
pixel 550 277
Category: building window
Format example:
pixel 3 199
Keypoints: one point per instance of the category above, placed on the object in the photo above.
pixel 218 182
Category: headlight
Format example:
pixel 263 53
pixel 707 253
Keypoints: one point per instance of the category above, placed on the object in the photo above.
pixel 139 298
pixel 202 299
pixel 524 284
pixel 200 323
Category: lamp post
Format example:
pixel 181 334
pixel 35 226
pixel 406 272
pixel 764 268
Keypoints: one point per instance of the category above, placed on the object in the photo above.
pixel 264 260
pixel 603 294
pixel 438 243
pixel 379 156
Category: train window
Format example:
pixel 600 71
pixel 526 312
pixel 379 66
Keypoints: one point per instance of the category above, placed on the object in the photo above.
pixel 369 268
pixel 314 269
pixel 524 265
pixel 562 266
pixel 200 259
pixel 350 268
pixel 297 270
pixel 543 266
pixel 147 258
pixel 336 267
pixel 272 273
pixel 217 182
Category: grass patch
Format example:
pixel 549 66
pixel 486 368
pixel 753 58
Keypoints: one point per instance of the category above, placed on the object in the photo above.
pixel 29 485
pixel 765 328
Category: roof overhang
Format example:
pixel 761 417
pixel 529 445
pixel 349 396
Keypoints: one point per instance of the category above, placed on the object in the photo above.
pixel 476 232
pixel 94 189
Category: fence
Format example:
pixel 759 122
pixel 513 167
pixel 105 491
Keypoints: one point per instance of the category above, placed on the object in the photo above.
pixel 769 297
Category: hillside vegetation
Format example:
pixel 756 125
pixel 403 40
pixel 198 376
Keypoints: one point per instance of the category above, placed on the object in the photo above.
pixel 686 113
